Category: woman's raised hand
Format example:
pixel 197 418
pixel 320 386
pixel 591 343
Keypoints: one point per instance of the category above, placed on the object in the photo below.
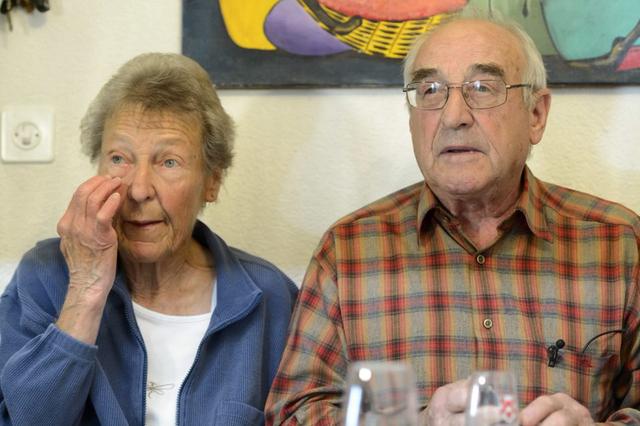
pixel 89 244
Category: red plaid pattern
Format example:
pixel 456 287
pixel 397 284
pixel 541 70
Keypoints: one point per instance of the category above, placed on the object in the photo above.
pixel 398 280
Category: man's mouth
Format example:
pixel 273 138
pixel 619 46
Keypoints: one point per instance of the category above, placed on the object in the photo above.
pixel 458 150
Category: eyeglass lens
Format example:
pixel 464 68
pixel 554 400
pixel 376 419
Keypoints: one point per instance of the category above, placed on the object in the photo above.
pixel 477 94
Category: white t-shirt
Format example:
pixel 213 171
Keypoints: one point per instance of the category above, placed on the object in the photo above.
pixel 171 342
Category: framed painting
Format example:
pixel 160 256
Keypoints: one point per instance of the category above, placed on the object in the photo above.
pixel 360 43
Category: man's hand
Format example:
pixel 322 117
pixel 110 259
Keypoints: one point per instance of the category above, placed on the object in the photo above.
pixel 447 405
pixel 557 409
pixel 89 244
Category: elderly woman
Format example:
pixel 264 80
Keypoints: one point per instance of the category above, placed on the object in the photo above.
pixel 139 313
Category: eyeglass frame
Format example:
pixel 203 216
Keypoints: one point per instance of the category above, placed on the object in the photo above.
pixel 406 89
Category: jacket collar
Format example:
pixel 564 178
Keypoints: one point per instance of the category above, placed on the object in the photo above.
pixel 237 293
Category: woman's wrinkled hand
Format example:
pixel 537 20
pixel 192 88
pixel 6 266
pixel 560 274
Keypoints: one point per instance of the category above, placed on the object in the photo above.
pixel 89 244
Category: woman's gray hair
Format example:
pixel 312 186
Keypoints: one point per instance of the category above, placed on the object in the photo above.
pixel 163 82
pixel 534 72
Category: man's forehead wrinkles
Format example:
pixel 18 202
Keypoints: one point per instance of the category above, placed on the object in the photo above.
pixel 490 68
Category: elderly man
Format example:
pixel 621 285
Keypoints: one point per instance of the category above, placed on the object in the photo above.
pixel 481 266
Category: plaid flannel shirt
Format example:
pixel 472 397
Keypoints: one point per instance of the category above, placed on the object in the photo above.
pixel 398 280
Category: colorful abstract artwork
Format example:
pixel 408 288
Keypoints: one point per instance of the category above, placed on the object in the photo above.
pixel 335 43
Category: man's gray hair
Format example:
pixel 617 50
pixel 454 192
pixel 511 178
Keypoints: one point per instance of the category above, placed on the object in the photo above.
pixel 163 82
pixel 534 72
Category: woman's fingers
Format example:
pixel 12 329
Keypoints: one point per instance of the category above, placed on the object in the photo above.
pixel 104 217
pixel 92 207
pixel 77 205
pixel 97 198
pixel 79 198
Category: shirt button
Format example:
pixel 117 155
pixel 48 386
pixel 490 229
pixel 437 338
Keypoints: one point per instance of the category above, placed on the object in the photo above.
pixel 487 323
pixel 480 259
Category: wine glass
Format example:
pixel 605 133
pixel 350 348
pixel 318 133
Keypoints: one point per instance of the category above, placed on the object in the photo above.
pixel 380 393
pixel 492 399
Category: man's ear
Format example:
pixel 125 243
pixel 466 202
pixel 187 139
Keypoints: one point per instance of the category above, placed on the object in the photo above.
pixel 538 115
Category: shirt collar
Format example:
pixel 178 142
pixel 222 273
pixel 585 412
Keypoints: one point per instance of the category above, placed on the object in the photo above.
pixel 428 203
pixel 530 204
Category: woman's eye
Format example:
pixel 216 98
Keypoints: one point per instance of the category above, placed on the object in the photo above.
pixel 170 163
pixel 117 159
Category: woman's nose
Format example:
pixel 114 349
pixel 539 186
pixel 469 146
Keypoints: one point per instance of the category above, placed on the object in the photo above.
pixel 140 183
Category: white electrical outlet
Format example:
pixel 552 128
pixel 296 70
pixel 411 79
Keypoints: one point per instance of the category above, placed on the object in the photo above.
pixel 26 134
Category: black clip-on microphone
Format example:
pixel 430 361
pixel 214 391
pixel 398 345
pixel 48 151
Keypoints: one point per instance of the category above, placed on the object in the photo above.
pixel 553 352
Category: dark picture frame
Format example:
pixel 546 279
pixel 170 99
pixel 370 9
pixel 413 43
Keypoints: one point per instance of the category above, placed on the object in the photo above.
pixel 569 58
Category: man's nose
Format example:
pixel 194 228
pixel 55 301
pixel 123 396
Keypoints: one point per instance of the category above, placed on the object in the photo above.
pixel 456 113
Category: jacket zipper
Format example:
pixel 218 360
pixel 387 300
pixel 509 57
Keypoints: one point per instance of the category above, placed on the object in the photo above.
pixel 186 377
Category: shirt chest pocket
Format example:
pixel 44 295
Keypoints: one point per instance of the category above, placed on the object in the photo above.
pixel 588 378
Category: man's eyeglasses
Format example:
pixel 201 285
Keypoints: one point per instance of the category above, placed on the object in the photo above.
pixel 478 94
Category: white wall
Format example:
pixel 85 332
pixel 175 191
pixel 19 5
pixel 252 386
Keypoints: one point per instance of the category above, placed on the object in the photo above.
pixel 304 158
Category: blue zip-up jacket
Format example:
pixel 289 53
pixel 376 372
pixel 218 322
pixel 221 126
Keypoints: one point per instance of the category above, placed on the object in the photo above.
pixel 49 378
